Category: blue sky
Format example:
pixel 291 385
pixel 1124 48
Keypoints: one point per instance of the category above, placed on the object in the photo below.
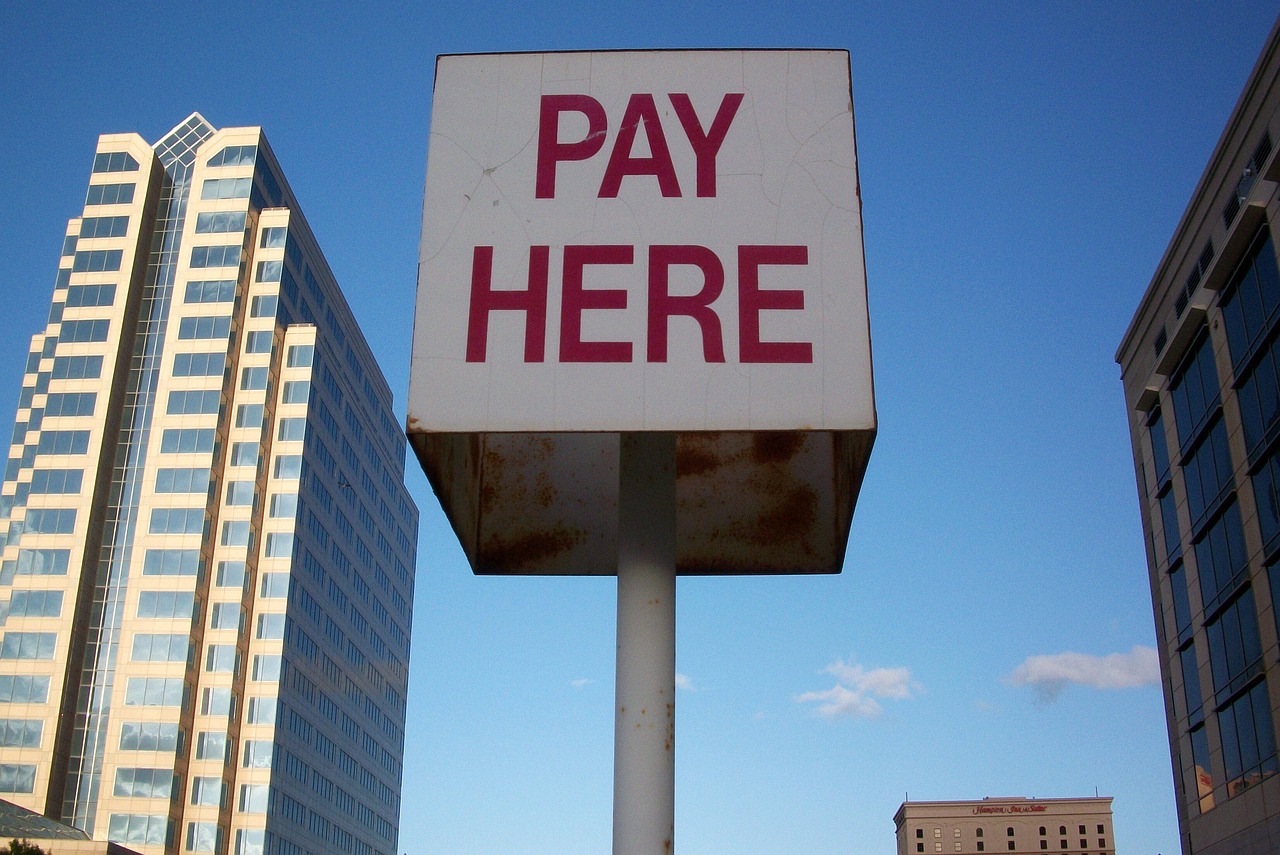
pixel 1023 166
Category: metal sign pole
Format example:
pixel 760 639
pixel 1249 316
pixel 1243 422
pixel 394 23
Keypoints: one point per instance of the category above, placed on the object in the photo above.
pixel 645 703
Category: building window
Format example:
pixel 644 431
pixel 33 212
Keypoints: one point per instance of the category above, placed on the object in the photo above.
pixel 207 791
pixel 204 327
pixel 143 783
pixel 211 746
pixel 182 480
pixel 1248 742
pixel 1207 472
pixel 202 837
pixel 273 237
pixel 244 454
pixel 114 161
pixel 254 378
pixel 1221 559
pixel 257 754
pixel 1235 649
pixel 201 402
pixel 199 364
pixel 171 562
pixel 300 356
pixel 153 692
pixel 138 829
pixel 1194 390
pixel 258 341
pixel 149 736
pixel 210 291
pixel 28 645
pixel 109 194
pixel 176 521
pixel 226 188
pixel 159 647
pixel 187 441
pixel 220 222
pixel 90 295
pixel 97 261
pixel 235 155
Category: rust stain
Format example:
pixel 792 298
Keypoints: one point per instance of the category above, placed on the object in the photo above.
pixel 775 446
pixel 530 548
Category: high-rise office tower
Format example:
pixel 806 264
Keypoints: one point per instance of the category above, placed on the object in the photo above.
pixel 1201 369
pixel 208 560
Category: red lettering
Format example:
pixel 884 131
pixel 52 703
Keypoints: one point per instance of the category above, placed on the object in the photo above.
pixel 640 109
pixel 575 300
pixel 484 300
pixel 551 150
pixel 706 145
pixel 662 304
pixel 752 301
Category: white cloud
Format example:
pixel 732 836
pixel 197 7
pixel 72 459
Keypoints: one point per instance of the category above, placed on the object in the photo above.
pixel 684 681
pixel 856 689
pixel 580 682
pixel 1048 675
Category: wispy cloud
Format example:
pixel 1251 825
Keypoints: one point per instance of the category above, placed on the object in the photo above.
pixel 856 690
pixel 684 681
pixel 1048 675
pixel 580 682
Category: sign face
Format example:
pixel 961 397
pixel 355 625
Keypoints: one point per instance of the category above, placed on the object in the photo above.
pixel 642 241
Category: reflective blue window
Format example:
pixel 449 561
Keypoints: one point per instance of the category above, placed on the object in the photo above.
pixel 63 442
pixel 50 521
pixel 210 291
pixel 258 341
pixel 234 155
pixel 204 327
pixel 226 188
pixel 300 356
pixel 77 367
pixel 254 378
pixel 186 440
pixel 149 736
pixel 166 604
pixel 35 604
pixel 109 194
pixel 199 364
pixel 171 562
pixel 1222 562
pixel 176 521
pixel 153 692
pixel 70 403
pixel 114 161
pixel 43 562
pixel 88 330
pixel 269 271
pixel 220 222
pixel 59 481
pixel 1207 472
pixel 1251 300
pixel 159 647
pixel 28 645
pixel 1248 741
pixel 97 261
pixel 104 227
pixel 183 480
pixel 1235 649
pixel 215 256
pixel 1195 390
pixel 24 690
pixel 273 237
pixel 194 402
pixel 91 295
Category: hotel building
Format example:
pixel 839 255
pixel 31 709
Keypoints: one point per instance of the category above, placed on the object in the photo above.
pixel 1017 825
pixel 208 548
pixel 1201 369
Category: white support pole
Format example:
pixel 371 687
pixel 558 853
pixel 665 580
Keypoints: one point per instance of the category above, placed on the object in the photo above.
pixel 644 768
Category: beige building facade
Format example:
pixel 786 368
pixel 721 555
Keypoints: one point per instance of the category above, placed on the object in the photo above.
pixel 1003 825
pixel 208 549
pixel 1200 363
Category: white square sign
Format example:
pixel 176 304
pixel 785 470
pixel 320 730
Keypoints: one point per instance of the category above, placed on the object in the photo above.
pixel 661 240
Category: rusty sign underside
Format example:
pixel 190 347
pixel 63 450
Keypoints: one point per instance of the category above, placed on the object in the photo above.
pixel 748 502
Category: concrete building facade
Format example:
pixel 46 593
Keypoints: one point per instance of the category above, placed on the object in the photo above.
pixel 1003 825
pixel 208 548
pixel 1201 369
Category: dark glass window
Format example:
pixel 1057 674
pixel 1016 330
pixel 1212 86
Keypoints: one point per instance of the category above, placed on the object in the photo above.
pixel 90 295
pixel 1258 392
pixel 235 155
pixel 1221 560
pixel 1266 495
pixel 109 194
pixel 1251 300
pixel 1159 449
pixel 114 161
pixel 1181 603
pixel 211 291
pixel 97 261
pixel 220 222
pixel 1248 742
pixel 1207 472
pixel 1191 684
pixel 1235 650
pixel 104 227
pixel 1169 519
pixel 1195 391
